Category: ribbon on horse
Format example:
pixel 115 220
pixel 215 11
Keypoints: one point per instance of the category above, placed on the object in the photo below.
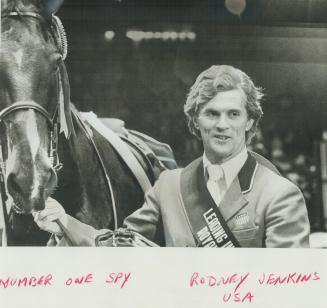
pixel 65 117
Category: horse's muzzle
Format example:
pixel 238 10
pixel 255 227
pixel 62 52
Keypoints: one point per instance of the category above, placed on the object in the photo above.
pixel 27 197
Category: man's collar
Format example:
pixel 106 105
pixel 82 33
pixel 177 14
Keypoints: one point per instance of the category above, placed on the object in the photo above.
pixel 231 167
pixel 245 177
pixel 247 173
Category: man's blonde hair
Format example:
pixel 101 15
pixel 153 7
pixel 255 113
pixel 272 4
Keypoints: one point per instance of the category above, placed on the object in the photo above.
pixel 220 78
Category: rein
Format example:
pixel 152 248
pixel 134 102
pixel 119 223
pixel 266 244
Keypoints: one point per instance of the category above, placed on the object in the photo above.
pixel 89 137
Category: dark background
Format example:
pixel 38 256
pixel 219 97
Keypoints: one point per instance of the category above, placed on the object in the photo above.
pixel 281 44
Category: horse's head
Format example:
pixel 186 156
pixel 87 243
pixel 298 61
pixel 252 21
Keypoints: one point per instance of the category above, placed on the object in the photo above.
pixel 32 82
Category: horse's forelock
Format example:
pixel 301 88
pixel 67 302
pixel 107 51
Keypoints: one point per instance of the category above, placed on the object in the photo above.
pixel 31 25
pixel 36 6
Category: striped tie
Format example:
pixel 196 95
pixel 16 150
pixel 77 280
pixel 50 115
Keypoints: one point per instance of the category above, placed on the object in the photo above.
pixel 216 182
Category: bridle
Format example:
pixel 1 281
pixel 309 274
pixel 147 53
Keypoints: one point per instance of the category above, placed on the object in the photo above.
pixel 60 120
pixel 56 120
pixel 53 125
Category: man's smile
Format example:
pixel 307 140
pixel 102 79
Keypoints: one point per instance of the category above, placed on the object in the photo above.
pixel 221 137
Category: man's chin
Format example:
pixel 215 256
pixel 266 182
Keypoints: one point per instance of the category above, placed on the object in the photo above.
pixel 220 156
pixel 221 150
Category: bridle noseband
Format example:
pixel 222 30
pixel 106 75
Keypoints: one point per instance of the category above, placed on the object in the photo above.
pixel 53 125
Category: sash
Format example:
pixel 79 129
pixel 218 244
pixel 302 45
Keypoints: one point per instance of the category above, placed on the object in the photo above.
pixel 207 223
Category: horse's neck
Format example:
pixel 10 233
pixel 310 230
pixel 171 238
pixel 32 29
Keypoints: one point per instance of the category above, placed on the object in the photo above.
pixel 82 185
pixel 77 181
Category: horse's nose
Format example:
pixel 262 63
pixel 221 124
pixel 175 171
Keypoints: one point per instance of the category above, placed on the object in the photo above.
pixel 37 190
pixel 17 183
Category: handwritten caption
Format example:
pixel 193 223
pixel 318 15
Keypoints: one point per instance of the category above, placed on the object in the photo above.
pixel 240 284
pixel 118 279
pixel 235 287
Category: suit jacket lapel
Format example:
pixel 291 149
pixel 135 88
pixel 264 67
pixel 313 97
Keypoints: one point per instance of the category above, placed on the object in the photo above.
pixel 234 199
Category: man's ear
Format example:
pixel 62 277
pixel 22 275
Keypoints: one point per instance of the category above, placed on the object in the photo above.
pixel 249 124
pixel 195 122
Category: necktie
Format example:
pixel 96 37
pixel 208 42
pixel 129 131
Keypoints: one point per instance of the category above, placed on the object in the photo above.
pixel 216 182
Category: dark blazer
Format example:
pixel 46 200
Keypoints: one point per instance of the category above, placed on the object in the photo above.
pixel 262 209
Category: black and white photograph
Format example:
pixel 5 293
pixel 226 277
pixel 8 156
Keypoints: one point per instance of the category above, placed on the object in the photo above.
pixel 165 123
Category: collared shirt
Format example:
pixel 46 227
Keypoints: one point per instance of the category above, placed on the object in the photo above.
pixel 231 167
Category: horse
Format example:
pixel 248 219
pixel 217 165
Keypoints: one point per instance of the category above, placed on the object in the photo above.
pixel 46 149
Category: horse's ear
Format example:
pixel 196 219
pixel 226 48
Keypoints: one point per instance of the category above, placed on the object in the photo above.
pixel 52 6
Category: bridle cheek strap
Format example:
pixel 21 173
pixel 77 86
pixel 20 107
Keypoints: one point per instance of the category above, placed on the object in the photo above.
pixel 27 105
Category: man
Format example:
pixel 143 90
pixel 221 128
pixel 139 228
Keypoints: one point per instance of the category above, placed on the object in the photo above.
pixel 229 197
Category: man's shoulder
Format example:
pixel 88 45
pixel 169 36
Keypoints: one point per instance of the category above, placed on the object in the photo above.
pixel 273 181
pixel 264 162
pixel 269 178
pixel 169 175
pixel 176 173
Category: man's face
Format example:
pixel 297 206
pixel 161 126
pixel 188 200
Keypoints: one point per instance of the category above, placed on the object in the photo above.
pixel 223 122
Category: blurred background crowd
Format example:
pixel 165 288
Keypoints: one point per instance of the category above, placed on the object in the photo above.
pixel 136 60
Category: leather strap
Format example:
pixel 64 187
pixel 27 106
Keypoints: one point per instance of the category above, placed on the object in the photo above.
pixel 25 105
pixel 121 148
